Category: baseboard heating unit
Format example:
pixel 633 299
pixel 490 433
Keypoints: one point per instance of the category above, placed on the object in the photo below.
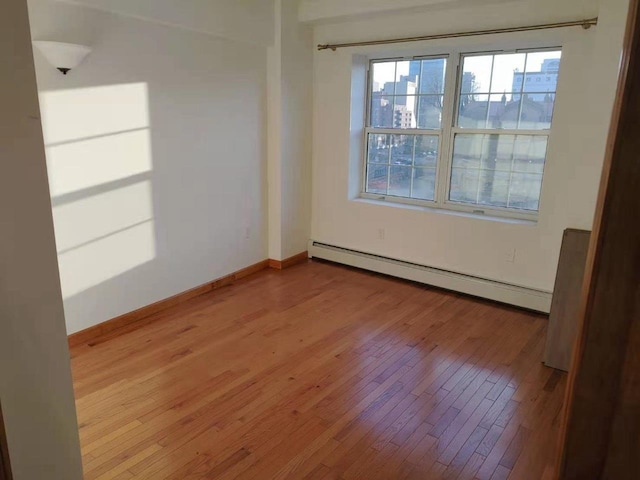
pixel 531 299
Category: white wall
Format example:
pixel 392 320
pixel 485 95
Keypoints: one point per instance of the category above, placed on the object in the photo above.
pixel 461 243
pixel 156 157
pixel 247 21
pixel 290 114
pixel 35 378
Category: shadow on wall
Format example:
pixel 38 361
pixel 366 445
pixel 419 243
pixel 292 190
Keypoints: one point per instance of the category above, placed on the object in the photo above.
pixel 155 160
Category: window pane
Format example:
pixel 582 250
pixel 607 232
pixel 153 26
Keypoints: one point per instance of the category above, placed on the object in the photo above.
pixel 404 82
pixel 432 76
pixel 430 111
pixel 473 111
pixel 524 191
pixel 493 170
pixel 504 111
pixel 493 188
pixel 464 185
pixel 426 151
pixel 404 111
pixel 379 148
pixel 384 74
pixel 497 152
pixel 400 88
pixel 377 178
pixel 403 68
pixel 400 181
pixel 514 91
pixel 529 153
pixel 547 63
pixel 402 149
pixel 539 84
pixel 381 114
pixel 412 172
pixel 537 111
pixel 424 183
pixel 467 151
pixel 505 67
pixel 476 74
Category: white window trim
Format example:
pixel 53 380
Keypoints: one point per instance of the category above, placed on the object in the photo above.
pixel 446 136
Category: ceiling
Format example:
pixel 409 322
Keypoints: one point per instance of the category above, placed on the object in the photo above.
pixel 330 10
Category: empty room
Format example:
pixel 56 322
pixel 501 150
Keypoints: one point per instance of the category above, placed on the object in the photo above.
pixel 319 239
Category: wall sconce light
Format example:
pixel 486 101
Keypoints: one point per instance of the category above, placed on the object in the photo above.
pixel 63 56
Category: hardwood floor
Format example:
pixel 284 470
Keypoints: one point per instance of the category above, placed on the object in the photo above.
pixel 321 372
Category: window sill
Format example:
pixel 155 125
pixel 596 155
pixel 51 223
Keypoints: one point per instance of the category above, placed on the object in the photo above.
pixel 444 211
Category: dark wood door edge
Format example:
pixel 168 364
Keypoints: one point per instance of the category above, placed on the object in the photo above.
pixel 5 464
pixel 600 391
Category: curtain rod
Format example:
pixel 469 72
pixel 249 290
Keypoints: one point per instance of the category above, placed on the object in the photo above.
pixel 586 24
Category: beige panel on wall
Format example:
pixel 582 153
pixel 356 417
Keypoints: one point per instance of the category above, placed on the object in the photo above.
pixel 563 320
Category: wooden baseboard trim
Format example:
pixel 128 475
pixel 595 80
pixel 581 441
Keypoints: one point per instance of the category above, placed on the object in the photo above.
pixel 139 316
pixel 289 262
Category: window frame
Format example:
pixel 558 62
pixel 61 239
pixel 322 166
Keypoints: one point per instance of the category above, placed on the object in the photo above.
pixel 368 129
pixel 447 133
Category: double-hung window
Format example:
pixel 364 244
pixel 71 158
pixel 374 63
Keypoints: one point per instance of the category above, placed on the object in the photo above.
pixel 461 131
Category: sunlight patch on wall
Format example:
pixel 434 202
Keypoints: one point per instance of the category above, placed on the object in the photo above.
pixel 88 219
pixel 95 135
pixel 81 113
pixel 100 260
pixel 99 161
pixel 88 163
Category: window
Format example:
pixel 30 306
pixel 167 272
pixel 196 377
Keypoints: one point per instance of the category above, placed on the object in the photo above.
pixel 475 140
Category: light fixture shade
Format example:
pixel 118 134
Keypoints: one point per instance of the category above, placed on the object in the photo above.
pixel 63 56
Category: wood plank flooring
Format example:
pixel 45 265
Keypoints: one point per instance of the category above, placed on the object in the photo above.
pixel 321 372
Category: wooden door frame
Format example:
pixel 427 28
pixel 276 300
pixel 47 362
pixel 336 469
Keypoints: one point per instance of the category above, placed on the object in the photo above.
pixel 600 434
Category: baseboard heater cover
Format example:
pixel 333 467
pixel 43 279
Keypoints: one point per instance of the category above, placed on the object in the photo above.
pixel 537 300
